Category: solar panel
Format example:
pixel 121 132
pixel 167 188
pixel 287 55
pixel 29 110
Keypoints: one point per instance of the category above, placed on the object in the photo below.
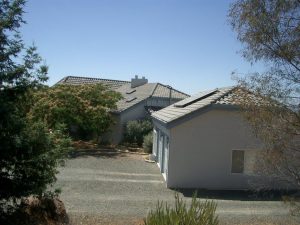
pixel 130 91
pixel 130 99
pixel 195 98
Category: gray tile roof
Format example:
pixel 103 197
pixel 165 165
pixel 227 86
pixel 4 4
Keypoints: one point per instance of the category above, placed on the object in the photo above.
pixel 163 91
pixel 141 93
pixel 74 80
pixel 182 108
pixel 131 96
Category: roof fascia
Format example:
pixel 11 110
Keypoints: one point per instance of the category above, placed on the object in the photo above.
pixel 189 116
pixel 122 111
pixel 196 113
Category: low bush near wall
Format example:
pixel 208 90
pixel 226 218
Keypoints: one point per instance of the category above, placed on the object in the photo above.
pixel 198 213
pixel 148 142
pixel 136 130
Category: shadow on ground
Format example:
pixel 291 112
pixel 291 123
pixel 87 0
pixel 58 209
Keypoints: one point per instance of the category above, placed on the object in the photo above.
pixel 103 153
pixel 236 195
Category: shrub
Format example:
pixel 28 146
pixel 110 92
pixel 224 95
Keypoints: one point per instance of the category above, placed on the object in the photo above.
pixel 85 109
pixel 199 213
pixel 136 130
pixel 148 142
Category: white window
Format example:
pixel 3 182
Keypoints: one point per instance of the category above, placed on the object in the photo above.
pixel 166 154
pixel 154 150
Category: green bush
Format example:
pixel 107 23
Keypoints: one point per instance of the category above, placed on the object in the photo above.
pixel 199 213
pixel 84 109
pixel 148 142
pixel 29 152
pixel 136 130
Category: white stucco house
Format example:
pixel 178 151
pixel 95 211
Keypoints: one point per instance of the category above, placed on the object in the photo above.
pixel 139 99
pixel 204 142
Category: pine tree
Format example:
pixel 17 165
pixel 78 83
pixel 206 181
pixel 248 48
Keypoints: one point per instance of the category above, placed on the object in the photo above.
pixel 29 152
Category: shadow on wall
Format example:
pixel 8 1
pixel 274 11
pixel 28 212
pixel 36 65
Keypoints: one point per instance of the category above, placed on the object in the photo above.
pixel 237 195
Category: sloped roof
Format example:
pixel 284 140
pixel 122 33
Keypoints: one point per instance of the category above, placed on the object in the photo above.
pixel 131 96
pixel 145 91
pixel 241 96
pixel 74 80
pixel 219 96
pixel 163 91
pixel 140 93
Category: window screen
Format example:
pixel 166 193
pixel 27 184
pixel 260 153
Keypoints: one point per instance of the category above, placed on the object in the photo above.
pixel 237 161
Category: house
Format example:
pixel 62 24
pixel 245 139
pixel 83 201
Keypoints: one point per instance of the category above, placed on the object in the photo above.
pixel 204 142
pixel 139 99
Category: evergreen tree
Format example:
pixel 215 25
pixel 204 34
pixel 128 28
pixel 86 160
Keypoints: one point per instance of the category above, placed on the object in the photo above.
pixel 29 152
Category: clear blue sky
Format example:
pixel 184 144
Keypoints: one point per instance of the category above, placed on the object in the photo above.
pixel 184 43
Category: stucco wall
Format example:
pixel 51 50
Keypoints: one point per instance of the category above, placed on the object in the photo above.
pixel 117 130
pixel 135 112
pixel 200 151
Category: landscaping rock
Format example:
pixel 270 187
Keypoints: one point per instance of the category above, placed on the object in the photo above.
pixel 40 211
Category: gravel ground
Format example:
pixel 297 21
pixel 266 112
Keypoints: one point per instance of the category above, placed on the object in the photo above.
pixel 107 187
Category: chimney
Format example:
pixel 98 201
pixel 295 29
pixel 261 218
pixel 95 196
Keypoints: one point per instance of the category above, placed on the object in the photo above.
pixel 135 82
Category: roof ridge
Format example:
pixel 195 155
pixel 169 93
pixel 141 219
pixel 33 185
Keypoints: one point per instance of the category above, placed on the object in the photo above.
pixel 230 90
pixel 62 80
pixel 173 89
pixel 156 84
pixel 93 78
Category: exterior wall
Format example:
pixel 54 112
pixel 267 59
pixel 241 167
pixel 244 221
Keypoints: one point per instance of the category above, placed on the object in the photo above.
pixel 115 136
pixel 116 133
pixel 161 148
pixel 136 112
pixel 200 151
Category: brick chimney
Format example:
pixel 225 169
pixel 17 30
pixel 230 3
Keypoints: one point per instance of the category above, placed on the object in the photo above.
pixel 135 82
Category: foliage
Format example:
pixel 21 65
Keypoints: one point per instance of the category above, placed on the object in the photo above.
pixel 148 142
pixel 270 32
pixel 86 107
pixel 199 213
pixel 136 130
pixel 29 152
pixel 34 167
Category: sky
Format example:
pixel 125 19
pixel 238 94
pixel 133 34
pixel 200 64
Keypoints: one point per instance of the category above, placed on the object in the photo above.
pixel 187 44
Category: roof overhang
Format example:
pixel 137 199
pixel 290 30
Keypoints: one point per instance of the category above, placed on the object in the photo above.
pixel 194 114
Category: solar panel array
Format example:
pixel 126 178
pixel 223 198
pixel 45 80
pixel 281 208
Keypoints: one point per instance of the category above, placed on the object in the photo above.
pixel 195 98
pixel 189 105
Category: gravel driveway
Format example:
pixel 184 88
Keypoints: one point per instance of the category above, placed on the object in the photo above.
pixel 109 186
